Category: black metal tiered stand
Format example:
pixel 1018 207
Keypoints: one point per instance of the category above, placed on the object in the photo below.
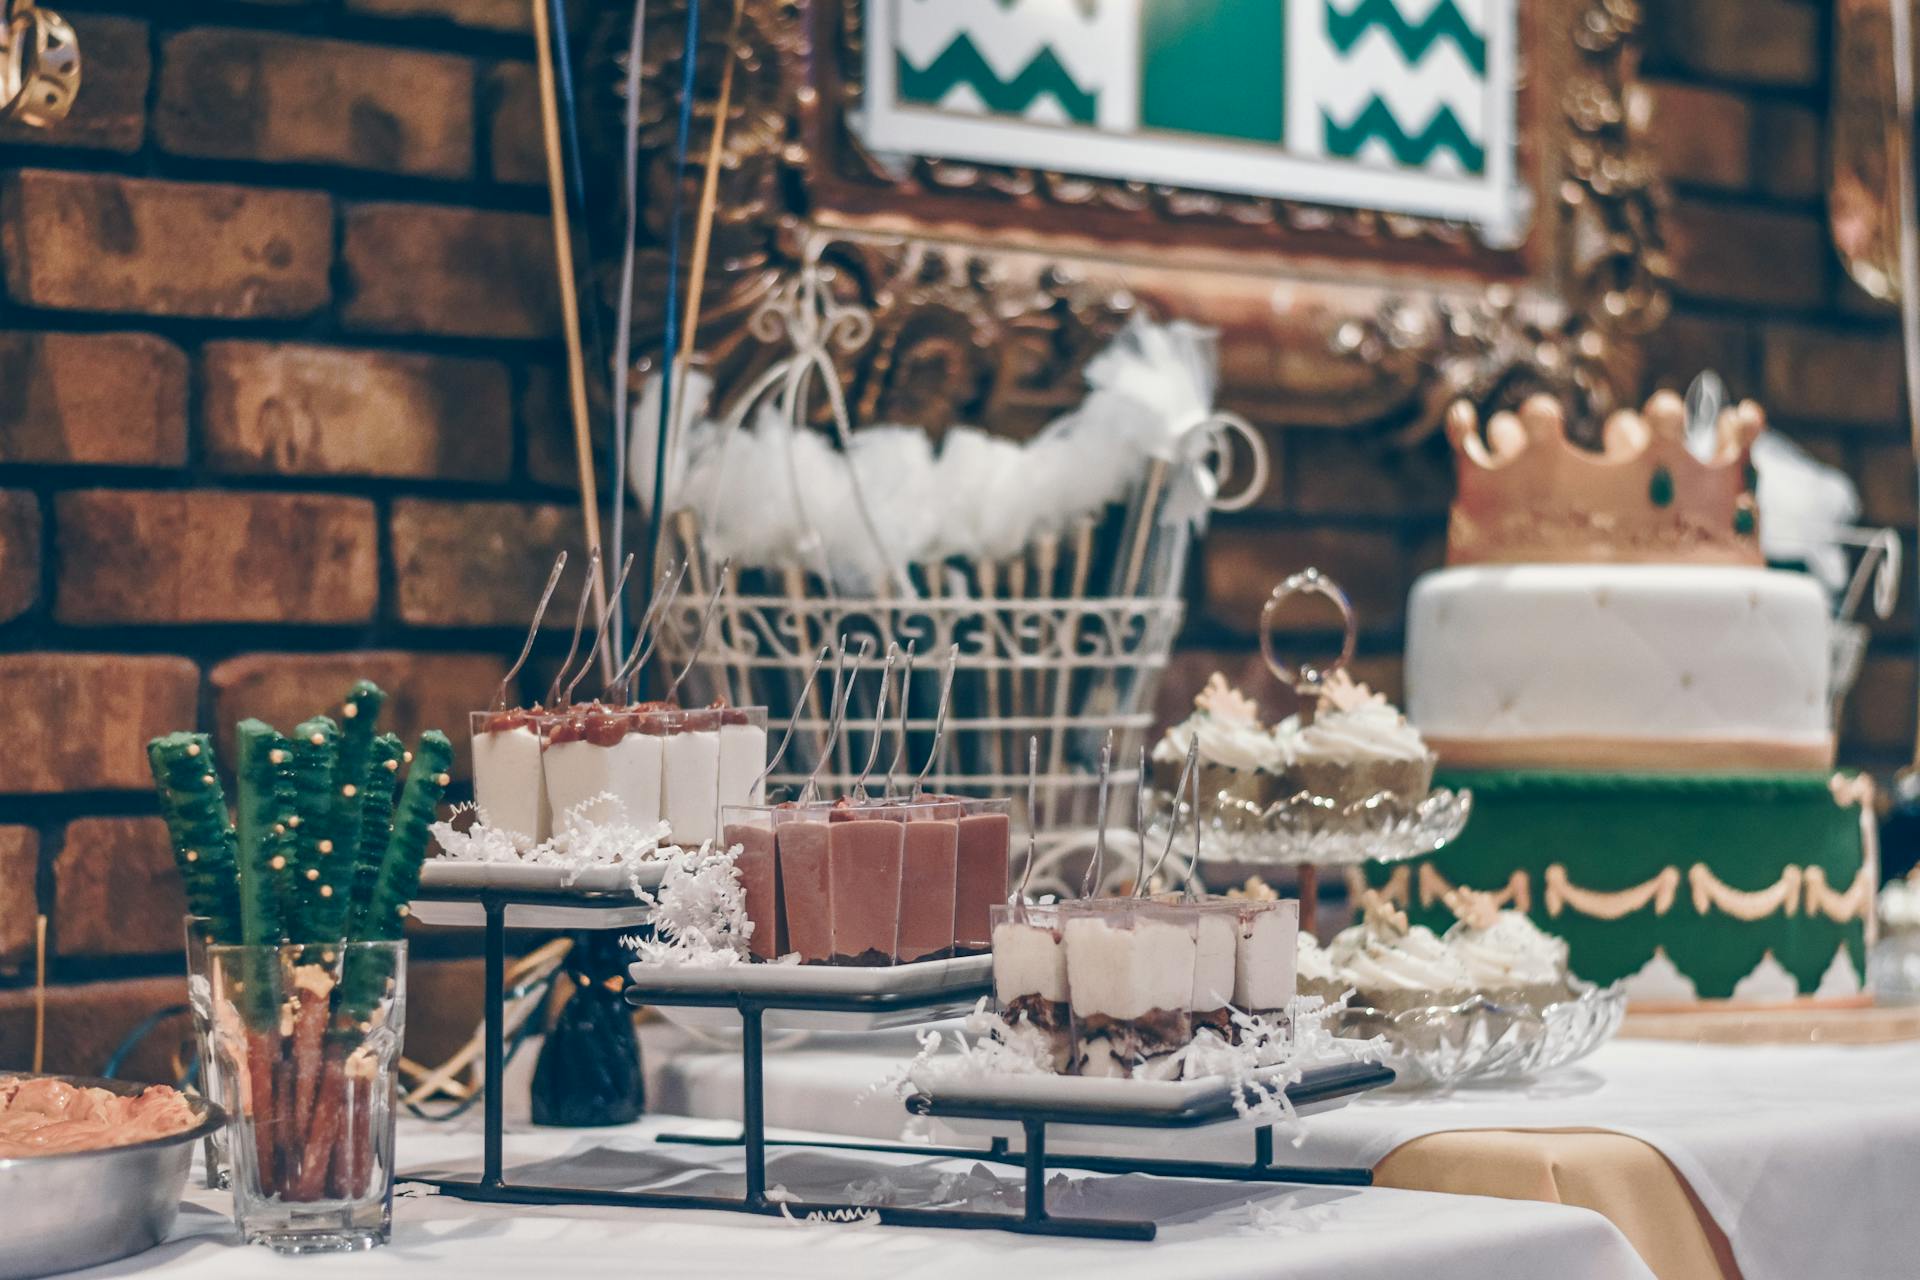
pixel 491 1187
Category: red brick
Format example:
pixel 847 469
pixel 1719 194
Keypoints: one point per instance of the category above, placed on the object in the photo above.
pixel 81 721
pixel 1739 254
pixel 1774 42
pixel 1345 473
pixel 296 409
pixel 1701 137
pixel 479 564
pixel 96 398
pixel 87 1022
pixel 547 423
pixel 19 552
pixel 214 556
pixel 516 150
pixel 110 112
pixel 96 242
pixel 491 15
pixel 1885 475
pixel 249 95
pixel 427 690
pixel 1242 566
pixel 1830 375
pixel 116 890
pixel 1689 342
pixel 459 272
pixel 1880 711
pixel 1791 145
pixel 19 901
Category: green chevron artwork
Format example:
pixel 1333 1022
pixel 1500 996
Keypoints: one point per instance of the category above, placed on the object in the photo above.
pixel 1400 105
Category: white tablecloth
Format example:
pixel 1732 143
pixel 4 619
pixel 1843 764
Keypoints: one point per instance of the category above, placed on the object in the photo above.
pixel 1808 1158
pixel 1207 1230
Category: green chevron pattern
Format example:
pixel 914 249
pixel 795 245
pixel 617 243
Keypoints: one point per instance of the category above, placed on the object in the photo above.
pixel 1445 22
pixel 1412 151
pixel 960 63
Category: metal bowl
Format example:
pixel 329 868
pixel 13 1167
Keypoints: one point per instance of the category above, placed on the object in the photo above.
pixel 76 1209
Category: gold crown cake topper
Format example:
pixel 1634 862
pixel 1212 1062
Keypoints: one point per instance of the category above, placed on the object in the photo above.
pixel 1528 495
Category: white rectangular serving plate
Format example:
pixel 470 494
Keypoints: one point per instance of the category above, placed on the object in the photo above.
pixel 1139 1097
pixel 926 976
pixel 598 888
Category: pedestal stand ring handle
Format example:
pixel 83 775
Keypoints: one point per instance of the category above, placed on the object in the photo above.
pixel 1305 679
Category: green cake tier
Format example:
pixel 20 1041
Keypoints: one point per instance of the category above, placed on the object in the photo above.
pixel 1716 871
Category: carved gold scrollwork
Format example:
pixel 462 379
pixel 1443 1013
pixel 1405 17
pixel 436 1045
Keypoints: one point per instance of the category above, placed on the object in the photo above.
pixel 1563 893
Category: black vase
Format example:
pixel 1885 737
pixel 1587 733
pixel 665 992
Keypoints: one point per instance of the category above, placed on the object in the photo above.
pixel 589 1069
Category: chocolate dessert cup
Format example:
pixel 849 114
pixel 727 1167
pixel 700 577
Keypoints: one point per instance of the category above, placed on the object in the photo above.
pixel 750 830
pixel 981 871
pixel 866 864
pixel 805 892
pixel 1030 980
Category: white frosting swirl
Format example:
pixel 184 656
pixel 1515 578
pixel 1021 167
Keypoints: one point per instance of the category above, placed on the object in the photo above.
pixel 1312 963
pixel 1228 726
pixel 1374 956
pixel 1511 951
pixel 1354 724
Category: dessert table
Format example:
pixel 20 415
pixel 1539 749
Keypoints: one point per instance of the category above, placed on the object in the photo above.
pixel 1207 1229
pixel 1769 1163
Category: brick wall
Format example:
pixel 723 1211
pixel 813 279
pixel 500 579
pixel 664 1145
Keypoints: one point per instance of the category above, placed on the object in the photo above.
pixel 276 345
pixel 275 409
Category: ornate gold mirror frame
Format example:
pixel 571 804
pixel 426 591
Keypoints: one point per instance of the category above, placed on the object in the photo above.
pixel 990 286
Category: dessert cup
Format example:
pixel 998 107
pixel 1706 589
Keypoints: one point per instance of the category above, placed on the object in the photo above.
pixel 927 902
pixel 743 755
pixel 750 831
pixel 1030 980
pixel 866 864
pixel 1266 952
pixel 690 774
pixel 980 872
pixel 598 750
pixel 1130 973
pixel 509 780
pixel 802 862
pixel 1216 941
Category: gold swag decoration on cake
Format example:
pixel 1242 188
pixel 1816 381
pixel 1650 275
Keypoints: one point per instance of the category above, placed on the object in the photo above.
pixel 1563 893
pixel 1529 495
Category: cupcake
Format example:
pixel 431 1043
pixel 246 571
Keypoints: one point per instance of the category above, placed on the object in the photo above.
pixel 1393 966
pixel 1313 971
pixel 1507 956
pixel 1359 746
pixel 1239 761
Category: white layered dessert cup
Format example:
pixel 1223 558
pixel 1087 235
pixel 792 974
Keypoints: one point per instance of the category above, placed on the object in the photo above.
pixel 1130 981
pixel 1030 980
pixel 509 779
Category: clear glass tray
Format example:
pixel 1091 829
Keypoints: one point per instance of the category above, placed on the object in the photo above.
pixel 1441 1045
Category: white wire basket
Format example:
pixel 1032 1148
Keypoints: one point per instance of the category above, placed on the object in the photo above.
pixel 1063 643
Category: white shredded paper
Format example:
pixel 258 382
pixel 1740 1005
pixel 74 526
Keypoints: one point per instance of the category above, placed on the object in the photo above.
pixel 597 832
pixel 1273 1053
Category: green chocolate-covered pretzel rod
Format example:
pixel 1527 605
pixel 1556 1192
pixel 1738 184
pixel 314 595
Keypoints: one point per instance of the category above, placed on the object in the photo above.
pixel 321 871
pixel 263 840
pixel 195 807
pixel 359 725
pixel 381 915
pixel 378 789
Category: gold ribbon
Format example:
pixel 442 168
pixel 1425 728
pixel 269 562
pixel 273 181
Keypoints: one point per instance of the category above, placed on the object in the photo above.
pixel 1563 893
pixel 1857 901
pixel 1743 904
